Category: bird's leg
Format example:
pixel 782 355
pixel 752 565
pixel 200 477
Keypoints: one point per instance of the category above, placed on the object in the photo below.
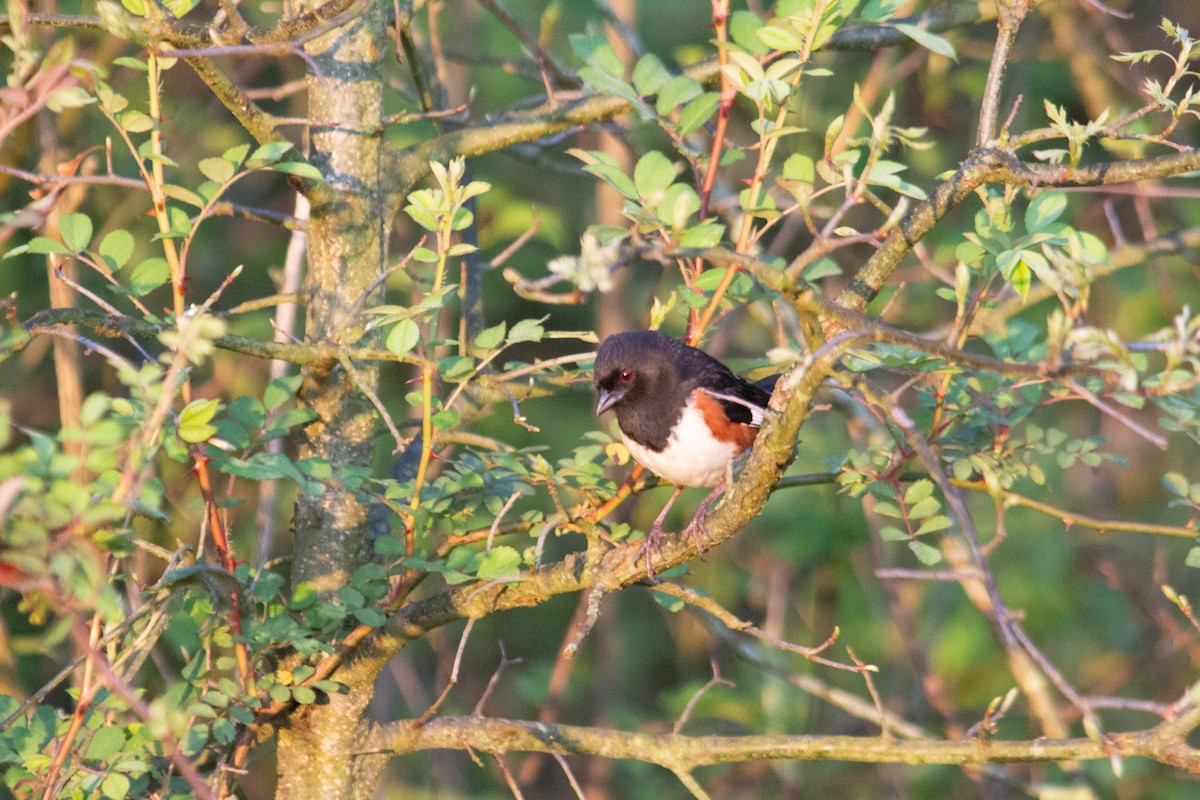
pixel 696 526
pixel 652 543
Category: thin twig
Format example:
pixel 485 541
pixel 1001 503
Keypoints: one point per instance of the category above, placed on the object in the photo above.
pixel 401 442
pixel 1010 13
pixel 562 762
pixel 496 522
pixel 462 645
pixel 513 786
pixel 953 576
pixel 693 598
pixel 505 661
pixel 715 680
pixel 1155 439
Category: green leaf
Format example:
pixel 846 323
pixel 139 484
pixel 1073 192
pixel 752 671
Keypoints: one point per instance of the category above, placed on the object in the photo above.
pixel 925 508
pixel 887 509
pixel 799 167
pixel 490 338
pixel 369 616
pixel 743 30
pixel 205 192
pixel 68 97
pixel 241 714
pixel 461 249
pixel 679 202
pixel 918 491
pixel 224 731
pixel 403 337
pixel 1013 267
pixel 704 235
pixel 930 41
pixel 605 167
pixel 303 596
pixel 669 602
pixel 527 330
pixel 777 38
pixel 454 368
pixel 822 268
pixel 116 248
pixel 1044 210
pixel 131 63
pixel 1176 484
pixel 217 169
pixel 304 695
pixel 653 173
pixel 649 74
pixel 194 740
pixel 927 554
pixel 148 275
pixel 266 586
pixel 76 230
pixel 1192 559
pixel 115 786
pixel 260 467
pixel 106 742
pixel 236 155
pixel 605 83
pixel 281 390
pixel 933 524
pixel 890 533
pixel 597 52
pixel 269 153
pixel 42 245
pixel 697 112
pixel 180 7
pixel 680 89
pixel 502 562
pixel 709 279
pixel 301 169
pixel 135 122
pixel 194 420
pixel 879 10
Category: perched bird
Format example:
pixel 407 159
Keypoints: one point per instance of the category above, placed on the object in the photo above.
pixel 682 413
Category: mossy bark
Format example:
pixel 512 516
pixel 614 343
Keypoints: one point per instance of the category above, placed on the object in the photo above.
pixel 346 252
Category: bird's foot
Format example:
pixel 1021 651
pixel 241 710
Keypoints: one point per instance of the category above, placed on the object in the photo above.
pixel 651 548
pixel 697 529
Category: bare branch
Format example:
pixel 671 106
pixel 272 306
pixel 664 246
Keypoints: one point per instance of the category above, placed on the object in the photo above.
pixel 680 753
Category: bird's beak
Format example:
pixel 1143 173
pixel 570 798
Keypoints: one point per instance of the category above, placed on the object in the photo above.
pixel 606 400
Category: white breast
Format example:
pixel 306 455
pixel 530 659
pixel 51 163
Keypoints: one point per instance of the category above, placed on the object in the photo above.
pixel 692 457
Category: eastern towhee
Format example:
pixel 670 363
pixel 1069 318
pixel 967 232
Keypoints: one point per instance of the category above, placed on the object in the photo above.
pixel 682 413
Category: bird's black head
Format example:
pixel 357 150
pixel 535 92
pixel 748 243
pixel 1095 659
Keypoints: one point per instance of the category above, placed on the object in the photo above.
pixel 634 366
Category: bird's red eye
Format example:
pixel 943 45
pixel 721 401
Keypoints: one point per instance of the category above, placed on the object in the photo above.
pixel 627 375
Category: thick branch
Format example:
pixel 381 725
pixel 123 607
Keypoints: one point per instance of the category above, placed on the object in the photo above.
pixel 114 326
pixel 1012 12
pixel 683 753
pixel 190 37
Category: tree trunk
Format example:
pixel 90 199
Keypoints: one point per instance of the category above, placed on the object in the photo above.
pixel 346 252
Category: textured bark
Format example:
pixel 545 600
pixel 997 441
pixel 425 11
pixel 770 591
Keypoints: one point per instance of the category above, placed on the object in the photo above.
pixel 346 252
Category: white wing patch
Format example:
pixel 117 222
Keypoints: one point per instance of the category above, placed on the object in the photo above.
pixel 756 411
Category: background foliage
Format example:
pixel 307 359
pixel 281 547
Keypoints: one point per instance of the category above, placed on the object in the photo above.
pixel 298 468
